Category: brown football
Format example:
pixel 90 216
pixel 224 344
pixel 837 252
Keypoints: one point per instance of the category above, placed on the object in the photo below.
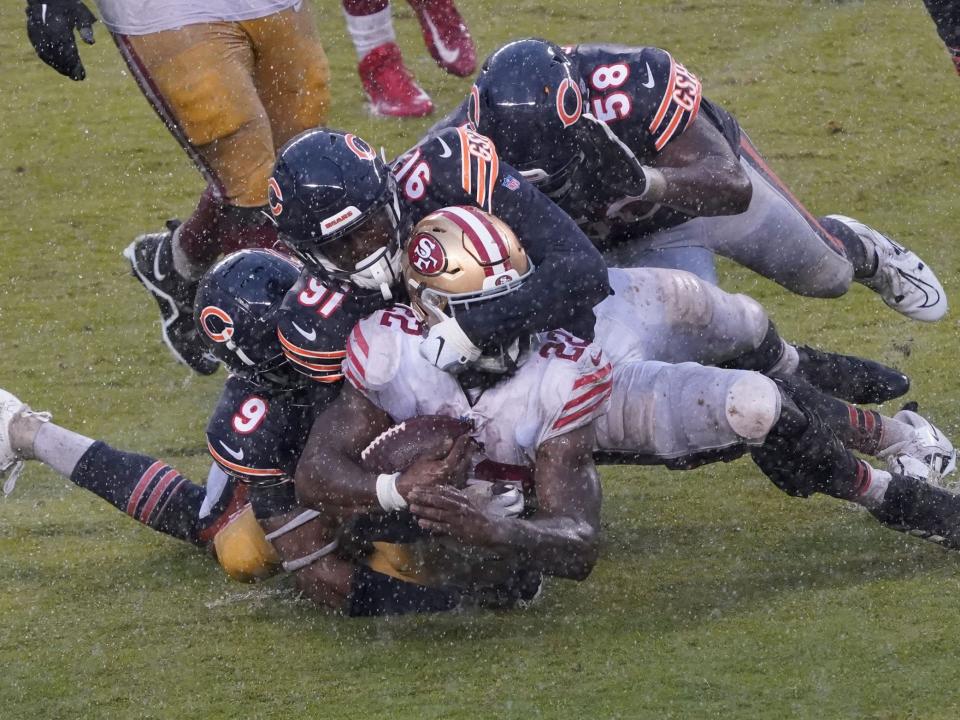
pixel 396 448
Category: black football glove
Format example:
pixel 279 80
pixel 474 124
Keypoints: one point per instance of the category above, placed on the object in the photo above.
pixel 50 26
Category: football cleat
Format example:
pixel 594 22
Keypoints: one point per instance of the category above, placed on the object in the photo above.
pixel 446 36
pixel 921 509
pixel 11 464
pixel 856 380
pixel 904 281
pixel 151 261
pixel 928 455
pixel 391 88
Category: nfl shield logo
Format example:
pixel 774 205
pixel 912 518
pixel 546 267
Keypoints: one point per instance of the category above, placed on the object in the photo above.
pixel 510 183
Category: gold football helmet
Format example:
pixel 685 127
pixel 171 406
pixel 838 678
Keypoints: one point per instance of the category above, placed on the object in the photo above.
pixel 461 255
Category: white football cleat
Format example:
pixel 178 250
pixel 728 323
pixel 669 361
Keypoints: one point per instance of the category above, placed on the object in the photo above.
pixel 904 281
pixel 11 464
pixel 928 448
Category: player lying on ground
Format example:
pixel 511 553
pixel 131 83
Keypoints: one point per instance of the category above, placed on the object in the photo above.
pixel 250 517
pixel 623 140
pixel 519 397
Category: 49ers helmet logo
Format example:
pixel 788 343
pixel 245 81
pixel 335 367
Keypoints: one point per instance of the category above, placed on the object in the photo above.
pixel 426 255
pixel 212 318
pixel 274 197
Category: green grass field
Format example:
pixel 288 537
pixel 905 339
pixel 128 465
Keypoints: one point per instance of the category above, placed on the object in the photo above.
pixel 717 596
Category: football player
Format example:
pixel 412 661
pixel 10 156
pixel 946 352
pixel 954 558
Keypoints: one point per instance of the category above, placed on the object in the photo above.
pixel 946 16
pixel 350 236
pixel 625 142
pixel 232 82
pixel 539 401
pixel 389 85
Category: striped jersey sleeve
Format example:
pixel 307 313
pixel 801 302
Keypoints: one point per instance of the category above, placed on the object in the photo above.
pixel 578 390
pixel 374 350
pixel 678 105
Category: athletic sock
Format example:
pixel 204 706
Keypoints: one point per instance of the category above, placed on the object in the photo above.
pixel 196 243
pixel 862 256
pixel 370 23
pixel 873 494
pixel 146 489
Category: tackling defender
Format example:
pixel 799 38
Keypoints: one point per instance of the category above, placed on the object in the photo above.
pixel 625 142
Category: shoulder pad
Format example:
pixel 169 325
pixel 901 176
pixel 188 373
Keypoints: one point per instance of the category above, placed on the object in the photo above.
pixel 678 93
pixel 313 324
pixel 457 166
pixel 257 435
pixel 376 345
pixel 575 386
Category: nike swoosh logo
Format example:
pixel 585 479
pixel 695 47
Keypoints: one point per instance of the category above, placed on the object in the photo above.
pixel 930 294
pixel 311 336
pixel 156 264
pixel 446 148
pixel 445 53
pixel 649 83
pixel 235 454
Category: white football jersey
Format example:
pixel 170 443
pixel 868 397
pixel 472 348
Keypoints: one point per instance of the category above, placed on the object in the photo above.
pixel 563 385
pixel 142 17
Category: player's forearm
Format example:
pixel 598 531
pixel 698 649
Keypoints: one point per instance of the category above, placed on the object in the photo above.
pixel 714 186
pixel 325 479
pixel 559 546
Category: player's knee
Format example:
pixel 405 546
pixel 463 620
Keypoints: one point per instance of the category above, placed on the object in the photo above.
pixel 243 550
pixel 209 108
pixel 752 406
pixel 688 300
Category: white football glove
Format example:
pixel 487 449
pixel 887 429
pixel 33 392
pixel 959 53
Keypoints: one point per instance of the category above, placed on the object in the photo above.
pixel 448 347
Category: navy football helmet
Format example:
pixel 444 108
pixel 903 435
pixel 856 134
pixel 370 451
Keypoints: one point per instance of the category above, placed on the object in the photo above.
pixel 335 204
pixel 529 100
pixel 236 310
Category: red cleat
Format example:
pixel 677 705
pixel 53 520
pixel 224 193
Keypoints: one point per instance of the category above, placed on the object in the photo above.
pixel 390 86
pixel 446 36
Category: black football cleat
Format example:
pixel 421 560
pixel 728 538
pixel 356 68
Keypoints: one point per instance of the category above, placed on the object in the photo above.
pixel 919 508
pixel 151 261
pixel 854 379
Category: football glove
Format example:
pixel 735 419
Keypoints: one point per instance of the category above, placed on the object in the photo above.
pixel 448 347
pixel 50 26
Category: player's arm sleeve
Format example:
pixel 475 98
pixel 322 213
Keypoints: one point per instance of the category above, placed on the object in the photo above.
pixel 575 397
pixel 673 105
pixel 372 356
pixel 312 327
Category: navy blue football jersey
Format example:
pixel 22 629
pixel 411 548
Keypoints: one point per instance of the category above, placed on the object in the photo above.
pixel 458 166
pixel 314 322
pixel 646 99
pixel 256 434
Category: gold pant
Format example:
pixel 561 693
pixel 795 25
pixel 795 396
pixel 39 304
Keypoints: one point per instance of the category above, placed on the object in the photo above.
pixel 234 92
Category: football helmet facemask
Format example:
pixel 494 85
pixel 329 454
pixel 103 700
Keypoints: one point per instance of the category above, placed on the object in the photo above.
pixel 459 257
pixel 335 204
pixel 236 310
